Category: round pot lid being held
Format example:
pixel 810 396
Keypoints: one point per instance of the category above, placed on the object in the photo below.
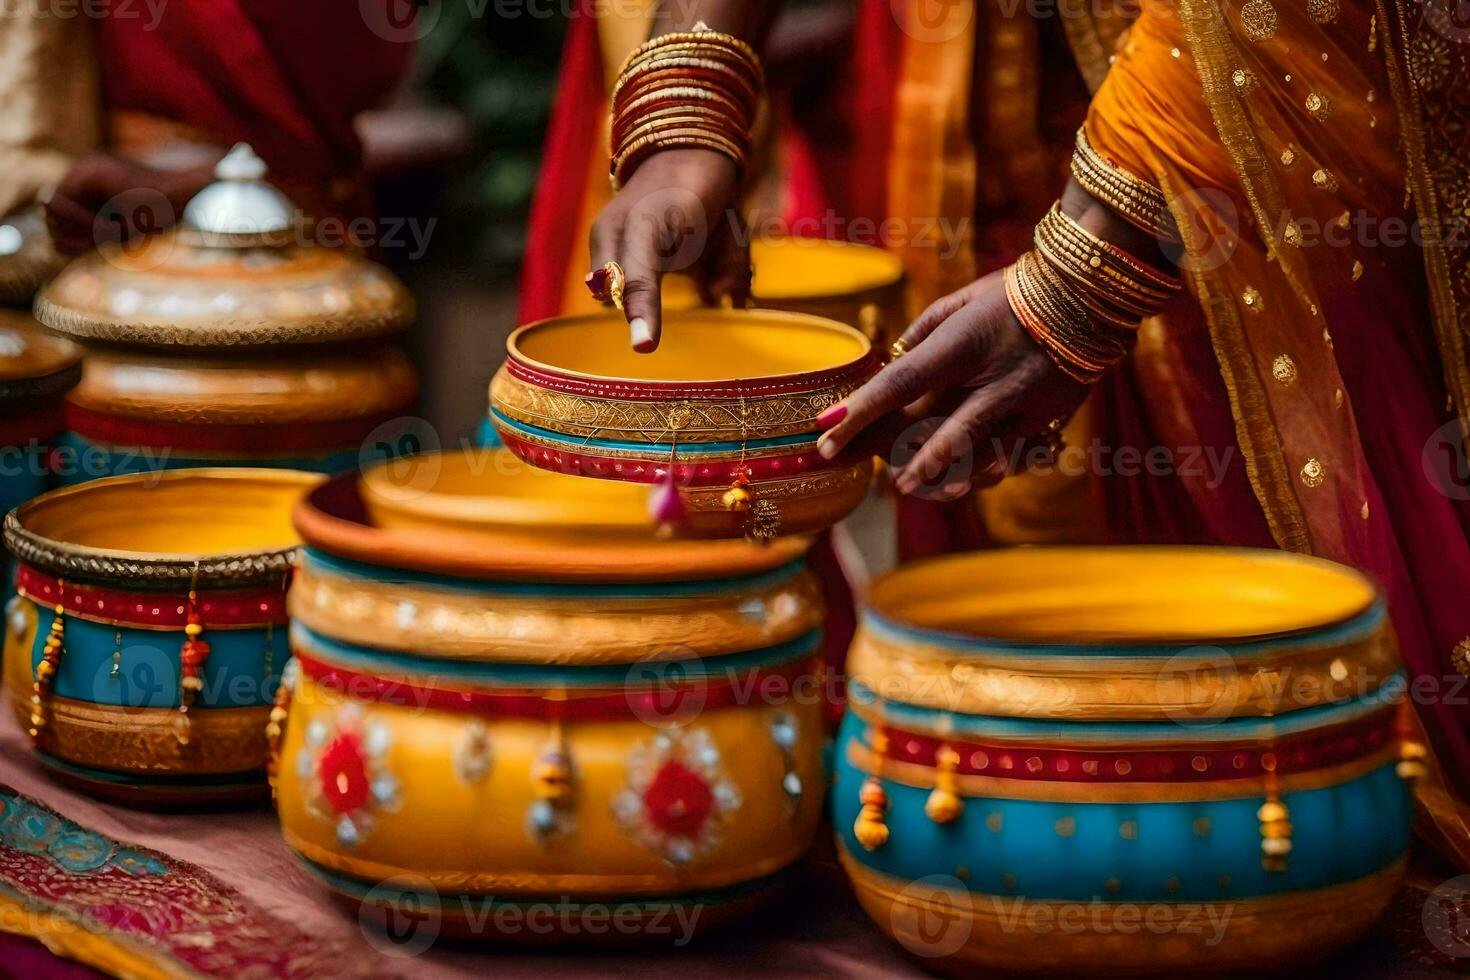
pixel 33 363
pixel 239 270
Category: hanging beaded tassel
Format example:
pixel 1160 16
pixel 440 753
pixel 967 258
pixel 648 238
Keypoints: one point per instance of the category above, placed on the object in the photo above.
pixel 1412 765
pixel 1275 821
pixel 276 727
pixel 869 829
pixel 192 656
pixel 46 669
pixel 943 804
pixel 551 782
pixel 665 505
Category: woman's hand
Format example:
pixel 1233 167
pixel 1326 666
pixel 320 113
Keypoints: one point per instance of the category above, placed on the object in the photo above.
pixel 971 362
pixel 675 214
pixel 104 198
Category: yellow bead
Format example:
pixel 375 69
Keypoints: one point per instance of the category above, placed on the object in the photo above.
pixel 736 499
pixel 193 629
pixel 1276 846
pixel 943 806
pixel 45 670
pixel 870 830
pixel 1271 811
pixel 194 684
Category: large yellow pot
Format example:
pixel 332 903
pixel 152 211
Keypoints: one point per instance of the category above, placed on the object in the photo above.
pixel 547 706
pixel 1124 760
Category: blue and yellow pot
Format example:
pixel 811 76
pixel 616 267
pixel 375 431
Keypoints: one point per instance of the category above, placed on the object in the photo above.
pixel 149 631
pixel 507 693
pixel 1124 759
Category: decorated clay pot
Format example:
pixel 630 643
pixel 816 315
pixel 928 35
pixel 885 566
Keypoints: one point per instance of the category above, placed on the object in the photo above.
pixel 543 710
pixel 36 369
pixel 149 631
pixel 724 413
pixel 230 339
pixel 1128 759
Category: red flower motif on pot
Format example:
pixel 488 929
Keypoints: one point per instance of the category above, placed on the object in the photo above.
pixel 344 774
pixel 679 800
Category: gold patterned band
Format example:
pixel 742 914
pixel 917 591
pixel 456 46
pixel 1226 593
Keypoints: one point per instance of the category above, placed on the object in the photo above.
pixel 695 420
pixel 526 629
pixel 145 741
pixel 1093 688
pixel 1267 929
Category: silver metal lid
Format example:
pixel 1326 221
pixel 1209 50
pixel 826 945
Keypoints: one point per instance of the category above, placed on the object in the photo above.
pixel 239 206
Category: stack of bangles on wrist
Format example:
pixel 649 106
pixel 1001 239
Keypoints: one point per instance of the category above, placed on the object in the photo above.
pixel 1081 298
pixel 1136 201
pixel 696 88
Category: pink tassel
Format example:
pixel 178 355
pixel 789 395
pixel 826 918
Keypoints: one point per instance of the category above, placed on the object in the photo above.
pixel 665 504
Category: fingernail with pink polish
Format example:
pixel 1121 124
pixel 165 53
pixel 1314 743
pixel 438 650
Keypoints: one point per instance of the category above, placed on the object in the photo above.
pixel 906 483
pixel 826 448
pixel 832 416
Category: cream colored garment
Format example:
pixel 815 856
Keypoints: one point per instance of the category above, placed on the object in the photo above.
pixel 49 100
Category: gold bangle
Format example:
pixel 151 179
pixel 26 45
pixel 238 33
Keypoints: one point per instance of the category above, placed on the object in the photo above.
pixel 701 34
pixel 640 76
pixel 1141 271
pixel 631 156
pixel 1062 326
pixel 1135 200
pixel 1034 326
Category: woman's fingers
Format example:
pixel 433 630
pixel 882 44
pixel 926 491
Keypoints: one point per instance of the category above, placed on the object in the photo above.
pixel 728 269
pixel 949 458
pixel 940 363
pixel 936 313
pixel 643 274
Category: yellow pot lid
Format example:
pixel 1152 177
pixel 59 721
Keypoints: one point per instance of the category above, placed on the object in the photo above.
pixel 33 362
pixel 239 270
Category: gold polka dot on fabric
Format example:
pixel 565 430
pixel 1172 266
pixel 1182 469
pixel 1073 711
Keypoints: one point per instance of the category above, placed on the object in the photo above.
pixel 1364 512
pixel 1251 297
pixel 1320 106
pixel 1323 180
pixel 1357 271
pixel 1338 398
pixel 1283 369
pixel 1460 656
pixel 1292 233
pixel 1258 18
pixel 1327 336
pixel 1313 473
pixel 1322 11
pixel 1288 157
pixel 1243 79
